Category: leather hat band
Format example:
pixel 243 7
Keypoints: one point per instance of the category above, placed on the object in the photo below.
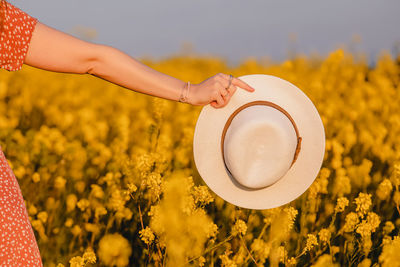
pixel 266 103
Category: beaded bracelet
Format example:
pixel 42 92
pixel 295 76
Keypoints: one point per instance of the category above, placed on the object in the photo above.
pixel 182 98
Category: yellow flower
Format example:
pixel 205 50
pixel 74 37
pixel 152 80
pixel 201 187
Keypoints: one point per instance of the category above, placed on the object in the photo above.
pixel 83 204
pixel 395 177
pixel 71 202
pixel 365 263
pixel 69 222
pixel 384 189
pixel 42 216
pixel 352 220
pixel 311 242
pixel 212 230
pixel 131 187
pixel 114 249
pixel 240 227
pixel 32 209
pixel 366 244
pixel 124 213
pixel 388 228
pixel 292 261
pixel 50 203
pixel 144 162
pixel 386 240
pixel 93 228
pixel 390 255
pixel 117 200
pixel 99 211
pixel 226 261
pixel 202 195
pixel 363 202
pixel 261 248
pixel 201 260
pixel 147 235
pixel 342 203
pixel 154 183
pixel 80 186
pixel 374 220
pixel 76 230
pixel 19 172
pixel 36 177
pixel 324 235
pixel 335 250
pixel 59 183
pixel 38 226
pixel 97 191
pixel 182 229
pixel 291 214
pixel 77 262
pixel 89 256
pixel 342 183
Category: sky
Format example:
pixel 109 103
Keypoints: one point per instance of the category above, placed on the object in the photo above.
pixel 234 30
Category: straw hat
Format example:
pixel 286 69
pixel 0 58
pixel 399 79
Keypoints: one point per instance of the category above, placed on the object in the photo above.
pixel 264 148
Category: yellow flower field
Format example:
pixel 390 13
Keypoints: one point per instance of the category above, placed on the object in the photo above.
pixel 109 178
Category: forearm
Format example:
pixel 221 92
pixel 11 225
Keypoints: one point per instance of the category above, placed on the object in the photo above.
pixel 117 67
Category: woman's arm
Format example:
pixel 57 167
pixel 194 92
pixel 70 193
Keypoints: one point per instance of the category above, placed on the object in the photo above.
pixel 54 50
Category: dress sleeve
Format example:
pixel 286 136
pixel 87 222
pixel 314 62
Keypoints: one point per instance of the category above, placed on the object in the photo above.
pixel 15 37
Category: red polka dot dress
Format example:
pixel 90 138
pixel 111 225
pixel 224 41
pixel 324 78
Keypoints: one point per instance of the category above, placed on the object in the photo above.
pixel 18 246
pixel 15 37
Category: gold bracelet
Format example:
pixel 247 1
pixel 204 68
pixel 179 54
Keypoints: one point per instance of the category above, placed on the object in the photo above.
pixel 187 92
pixel 182 98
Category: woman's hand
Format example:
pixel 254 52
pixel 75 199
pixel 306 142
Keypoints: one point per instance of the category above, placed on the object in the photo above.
pixel 214 90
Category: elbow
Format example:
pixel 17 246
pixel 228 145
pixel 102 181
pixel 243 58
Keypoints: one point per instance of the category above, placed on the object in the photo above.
pixel 95 59
pixel 92 66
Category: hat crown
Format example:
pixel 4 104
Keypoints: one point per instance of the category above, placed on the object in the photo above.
pixel 259 146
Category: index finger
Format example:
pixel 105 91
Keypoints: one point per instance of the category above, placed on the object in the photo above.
pixel 242 84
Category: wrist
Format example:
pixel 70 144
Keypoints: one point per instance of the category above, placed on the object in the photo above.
pixel 186 93
pixel 190 95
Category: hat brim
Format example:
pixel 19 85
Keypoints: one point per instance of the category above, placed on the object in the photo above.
pixel 207 146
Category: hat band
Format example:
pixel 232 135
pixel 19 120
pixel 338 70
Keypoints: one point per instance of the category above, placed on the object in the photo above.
pixel 266 103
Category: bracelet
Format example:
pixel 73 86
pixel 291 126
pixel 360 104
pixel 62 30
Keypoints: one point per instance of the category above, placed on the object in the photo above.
pixel 182 98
